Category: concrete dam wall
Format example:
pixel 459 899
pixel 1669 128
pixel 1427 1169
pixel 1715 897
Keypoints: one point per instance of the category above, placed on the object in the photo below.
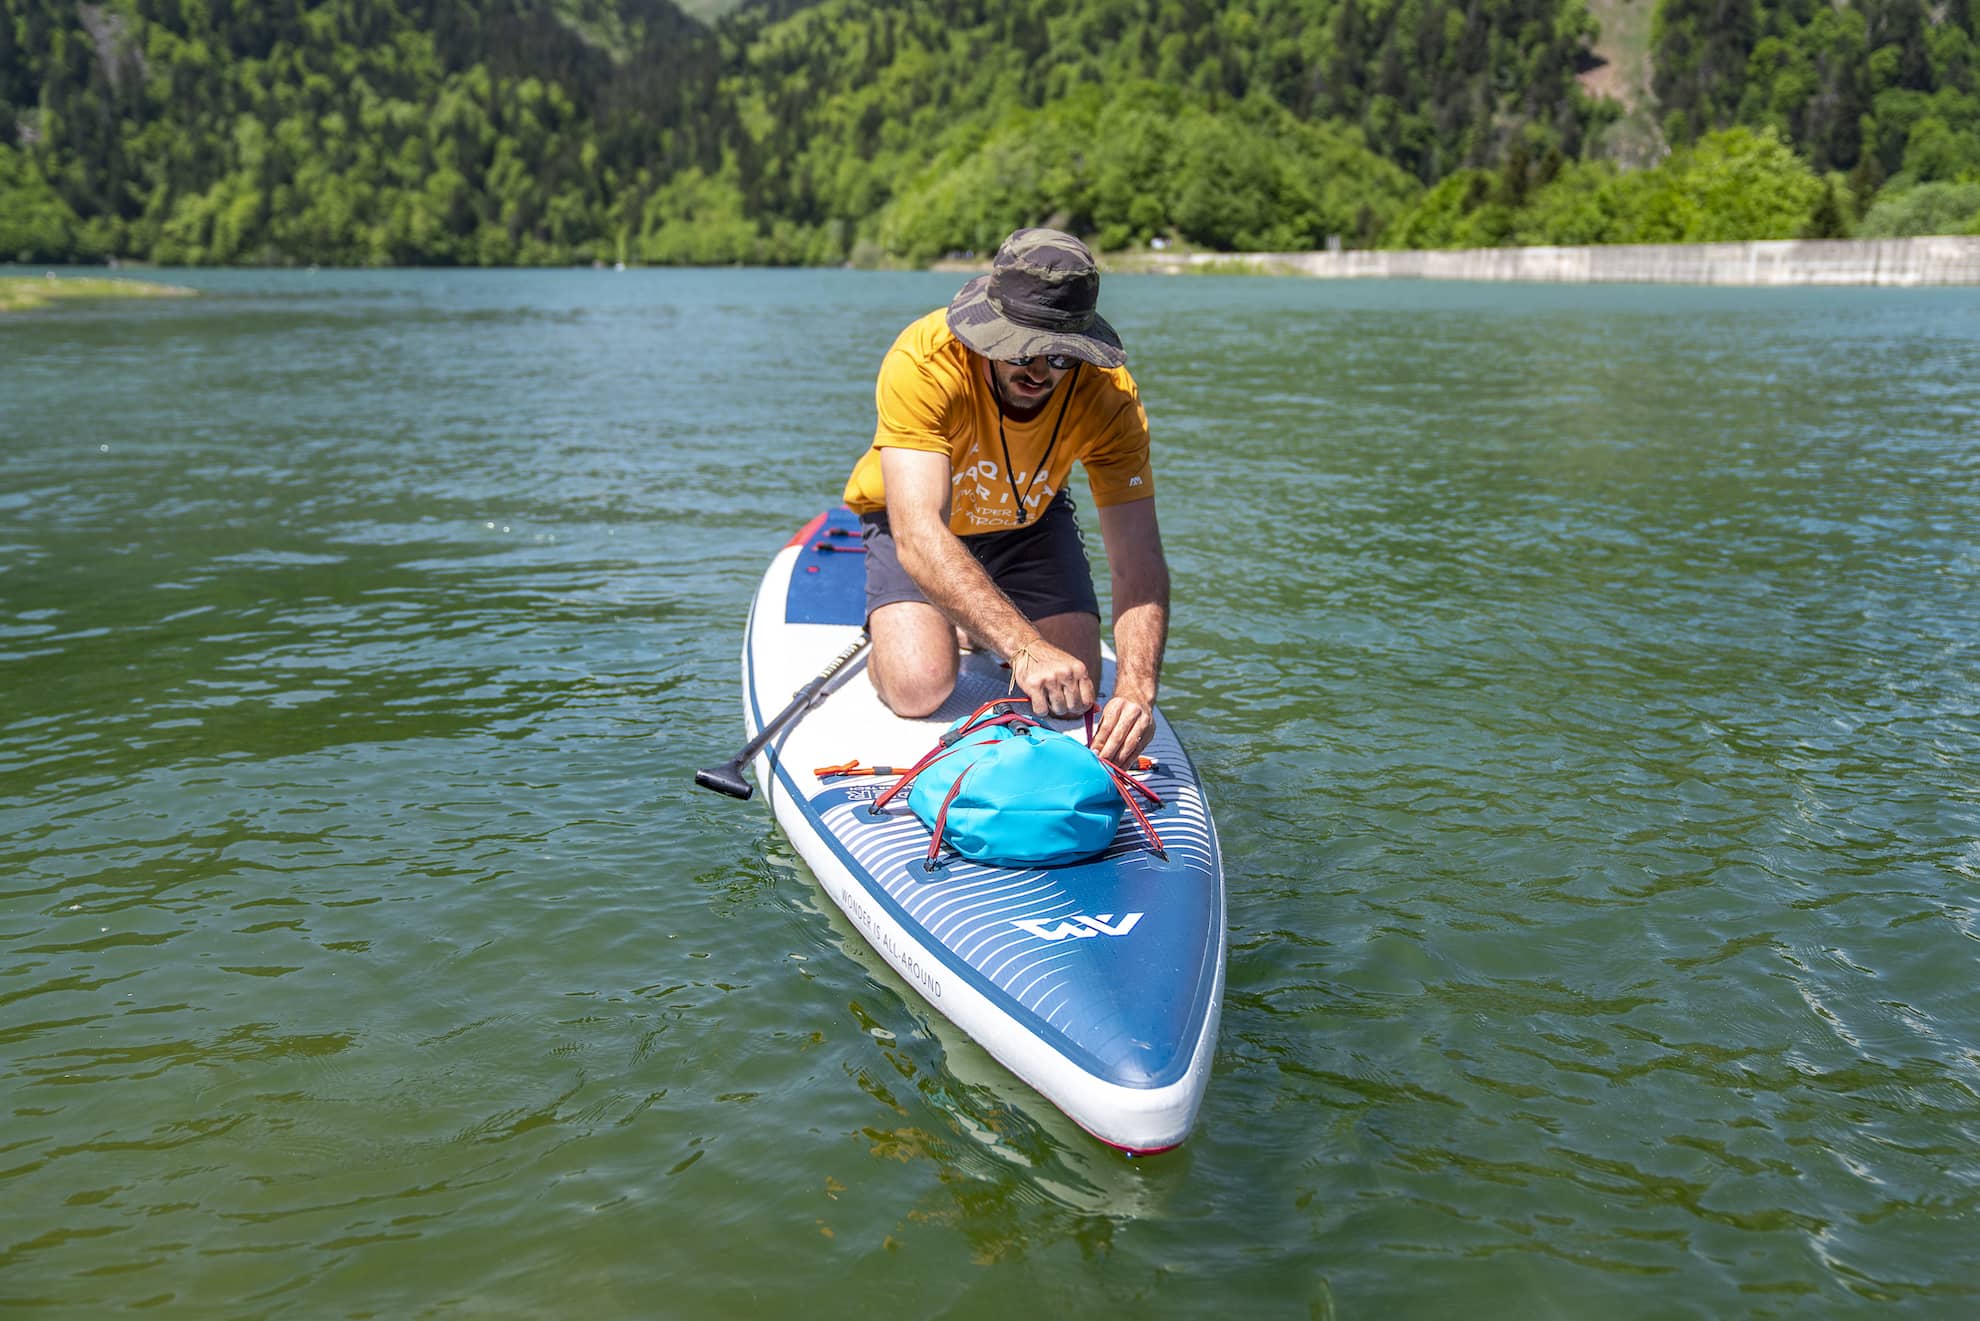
pixel 1913 261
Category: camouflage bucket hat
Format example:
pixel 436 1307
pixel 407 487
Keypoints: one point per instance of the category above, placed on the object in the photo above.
pixel 1038 298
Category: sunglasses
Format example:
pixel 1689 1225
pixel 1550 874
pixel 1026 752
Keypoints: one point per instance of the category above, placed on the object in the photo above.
pixel 1058 362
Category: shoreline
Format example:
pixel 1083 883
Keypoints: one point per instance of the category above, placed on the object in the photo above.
pixel 1936 260
pixel 30 293
pixel 1907 262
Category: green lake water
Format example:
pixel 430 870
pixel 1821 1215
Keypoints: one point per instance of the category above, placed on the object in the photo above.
pixel 1585 681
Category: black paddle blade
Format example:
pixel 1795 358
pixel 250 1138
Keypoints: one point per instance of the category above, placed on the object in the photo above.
pixel 726 779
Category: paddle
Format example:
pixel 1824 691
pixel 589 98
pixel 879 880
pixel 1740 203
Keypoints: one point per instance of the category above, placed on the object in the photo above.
pixel 728 778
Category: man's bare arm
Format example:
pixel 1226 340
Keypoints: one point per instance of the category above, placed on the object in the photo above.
pixel 918 486
pixel 1140 575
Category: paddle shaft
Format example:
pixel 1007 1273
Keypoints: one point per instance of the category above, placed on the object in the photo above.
pixel 727 778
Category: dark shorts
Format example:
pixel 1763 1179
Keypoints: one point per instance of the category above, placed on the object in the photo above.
pixel 1041 567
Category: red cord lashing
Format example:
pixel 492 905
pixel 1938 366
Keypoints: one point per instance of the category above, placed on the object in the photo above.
pixel 1124 784
pixel 949 744
pixel 942 817
pixel 1122 777
pixel 933 755
pixel 1141 819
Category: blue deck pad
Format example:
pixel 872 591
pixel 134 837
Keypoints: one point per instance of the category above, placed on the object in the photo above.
pixel 828 583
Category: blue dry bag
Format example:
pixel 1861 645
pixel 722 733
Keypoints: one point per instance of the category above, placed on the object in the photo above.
pixel 1019 795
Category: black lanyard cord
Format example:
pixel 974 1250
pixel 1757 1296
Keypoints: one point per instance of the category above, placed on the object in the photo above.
pixel 1044 463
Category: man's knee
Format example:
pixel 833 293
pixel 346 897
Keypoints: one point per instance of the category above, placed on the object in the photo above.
pixel 914 658
pixel 915 693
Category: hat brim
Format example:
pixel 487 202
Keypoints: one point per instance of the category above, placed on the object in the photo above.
pixel 983 328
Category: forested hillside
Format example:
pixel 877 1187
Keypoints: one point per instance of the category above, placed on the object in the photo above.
pixel 555 131
pixel 354 131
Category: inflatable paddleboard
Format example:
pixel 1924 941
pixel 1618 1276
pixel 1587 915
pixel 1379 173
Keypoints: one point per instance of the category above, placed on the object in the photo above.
pixel 1098 984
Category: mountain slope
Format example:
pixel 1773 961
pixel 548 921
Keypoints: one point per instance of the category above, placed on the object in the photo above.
pixel 534 131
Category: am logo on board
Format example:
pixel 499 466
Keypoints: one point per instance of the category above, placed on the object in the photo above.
pixel 1081 927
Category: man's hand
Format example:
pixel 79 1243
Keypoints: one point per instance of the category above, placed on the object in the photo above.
pixel 1056 681
pixel 1125 728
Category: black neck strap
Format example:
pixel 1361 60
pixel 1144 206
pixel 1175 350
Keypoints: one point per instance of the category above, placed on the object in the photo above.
pixel 1010 478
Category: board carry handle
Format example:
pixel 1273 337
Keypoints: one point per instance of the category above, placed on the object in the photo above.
pixel 727 778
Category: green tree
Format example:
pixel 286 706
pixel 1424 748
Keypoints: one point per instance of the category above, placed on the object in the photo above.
pixel 36 225
pixel 1931 208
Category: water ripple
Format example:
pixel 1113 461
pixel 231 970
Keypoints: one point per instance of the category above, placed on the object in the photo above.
pixel 1583 678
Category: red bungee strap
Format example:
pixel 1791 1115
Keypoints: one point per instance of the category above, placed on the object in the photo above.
pixel 949 741
pixel 933 755
pixel 1124 784
pixel 1122 777
pixel 1121 781
pixel 942 816
pixel 991 705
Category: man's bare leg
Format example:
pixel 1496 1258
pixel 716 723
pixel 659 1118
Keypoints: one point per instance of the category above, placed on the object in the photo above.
pixel 913 665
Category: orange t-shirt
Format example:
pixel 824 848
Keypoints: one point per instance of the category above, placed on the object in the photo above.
pixel 934 395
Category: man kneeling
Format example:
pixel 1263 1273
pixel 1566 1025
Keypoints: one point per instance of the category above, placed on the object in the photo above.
pixel 984 406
